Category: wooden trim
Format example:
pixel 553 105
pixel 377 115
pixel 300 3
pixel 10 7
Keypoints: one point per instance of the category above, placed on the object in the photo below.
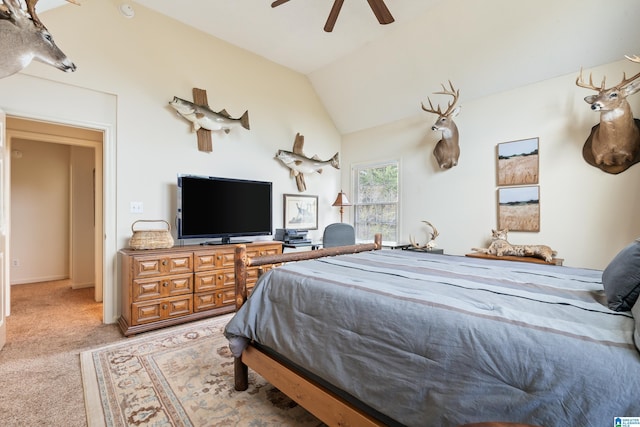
pixel 328 407
pixel 554 261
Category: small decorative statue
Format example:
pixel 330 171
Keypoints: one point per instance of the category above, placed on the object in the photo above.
pixel 432 240
pixel 447 150
pixel 614 143
pixel 500 247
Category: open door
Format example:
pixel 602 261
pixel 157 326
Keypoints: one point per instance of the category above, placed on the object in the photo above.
pixel 4 270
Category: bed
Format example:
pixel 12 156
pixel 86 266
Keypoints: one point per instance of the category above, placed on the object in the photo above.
pixel 392 337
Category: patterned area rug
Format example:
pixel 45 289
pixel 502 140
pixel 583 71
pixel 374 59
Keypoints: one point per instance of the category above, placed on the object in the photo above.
pixel 182 376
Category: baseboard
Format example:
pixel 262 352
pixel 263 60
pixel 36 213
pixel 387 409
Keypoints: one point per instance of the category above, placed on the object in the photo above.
pixel 82 285
pixel 39 279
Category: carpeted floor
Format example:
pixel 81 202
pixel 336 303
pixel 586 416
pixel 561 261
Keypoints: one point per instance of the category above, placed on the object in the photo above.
pixel 180 376
pixel 40 377
pixel 40 381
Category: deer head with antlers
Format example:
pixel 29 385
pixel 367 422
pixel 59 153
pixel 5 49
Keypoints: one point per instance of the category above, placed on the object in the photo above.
pixel 614 143
pixel 447 150
pixel 23 38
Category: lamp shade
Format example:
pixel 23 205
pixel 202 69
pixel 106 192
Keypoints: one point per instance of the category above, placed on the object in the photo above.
pixel 341 200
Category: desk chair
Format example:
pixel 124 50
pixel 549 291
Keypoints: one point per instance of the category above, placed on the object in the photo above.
pixel 338 234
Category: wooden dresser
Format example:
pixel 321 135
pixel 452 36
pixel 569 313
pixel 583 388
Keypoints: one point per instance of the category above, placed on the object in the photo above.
pixel 164 287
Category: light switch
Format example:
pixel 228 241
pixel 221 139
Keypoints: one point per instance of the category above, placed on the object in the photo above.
pixel 136 207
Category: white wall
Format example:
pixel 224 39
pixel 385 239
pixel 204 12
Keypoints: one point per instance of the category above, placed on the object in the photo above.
pixel 586 215
pixel 149 59
pixel 82 217
pixel 144 62
pixel 39 212
pixel 141 63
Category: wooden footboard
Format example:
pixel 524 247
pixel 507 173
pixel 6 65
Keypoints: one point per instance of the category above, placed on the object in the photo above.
pixel 324 404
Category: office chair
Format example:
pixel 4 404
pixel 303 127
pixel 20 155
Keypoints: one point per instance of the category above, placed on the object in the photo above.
pixel 338 234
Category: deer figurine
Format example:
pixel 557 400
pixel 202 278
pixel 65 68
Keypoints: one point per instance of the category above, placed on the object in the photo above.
pixel 447 150
pixel 23 38
pixel 614 143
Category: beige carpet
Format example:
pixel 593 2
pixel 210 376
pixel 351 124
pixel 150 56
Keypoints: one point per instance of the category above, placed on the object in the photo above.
pixel 49 326
pixel 182 376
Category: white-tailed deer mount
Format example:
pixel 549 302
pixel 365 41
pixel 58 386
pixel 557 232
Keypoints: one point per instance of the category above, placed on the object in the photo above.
pixel 24 38
pixel 447 150
pixel 614 143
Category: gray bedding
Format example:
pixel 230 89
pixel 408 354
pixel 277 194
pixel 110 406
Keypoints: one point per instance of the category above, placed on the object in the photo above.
pixel 437 340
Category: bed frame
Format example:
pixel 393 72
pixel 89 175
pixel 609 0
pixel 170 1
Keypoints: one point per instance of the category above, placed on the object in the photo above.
pixel 326 405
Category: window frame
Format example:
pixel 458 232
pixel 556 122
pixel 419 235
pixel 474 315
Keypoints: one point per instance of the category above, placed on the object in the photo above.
pixel 355 170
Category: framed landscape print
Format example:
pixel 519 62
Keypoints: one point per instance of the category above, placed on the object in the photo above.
pixel 518 162
pixel 300 212
pixel 519 208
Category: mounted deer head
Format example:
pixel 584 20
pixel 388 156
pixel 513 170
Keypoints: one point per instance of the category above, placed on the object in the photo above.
pixel 24 38
pixel 447 150
pixel 615 141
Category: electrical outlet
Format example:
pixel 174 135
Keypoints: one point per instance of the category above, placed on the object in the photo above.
pixel 15 262
pixel 136 207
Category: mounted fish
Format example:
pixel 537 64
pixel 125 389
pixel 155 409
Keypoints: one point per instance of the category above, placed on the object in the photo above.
pixel 299 164
pixel 204 117
pixel 23 38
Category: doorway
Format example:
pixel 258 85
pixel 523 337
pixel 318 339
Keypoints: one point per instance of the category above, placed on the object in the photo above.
pixel 70 188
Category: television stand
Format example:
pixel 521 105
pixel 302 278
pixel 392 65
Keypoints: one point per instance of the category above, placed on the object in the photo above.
pixel 224 241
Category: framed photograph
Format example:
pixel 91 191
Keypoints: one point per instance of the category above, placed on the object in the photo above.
pixel 518 162
pixel 519 208
pixel 300 212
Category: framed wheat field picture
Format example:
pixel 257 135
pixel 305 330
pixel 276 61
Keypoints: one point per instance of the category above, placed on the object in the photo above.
pixel 519 208
pixel 300 212
pixel 518 162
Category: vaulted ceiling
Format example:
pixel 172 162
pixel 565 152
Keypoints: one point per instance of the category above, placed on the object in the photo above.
pixel 367 74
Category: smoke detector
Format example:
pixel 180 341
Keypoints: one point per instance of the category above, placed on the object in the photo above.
pixel 126 10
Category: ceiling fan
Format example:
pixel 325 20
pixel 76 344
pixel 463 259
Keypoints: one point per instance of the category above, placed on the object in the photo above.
pixel 378 7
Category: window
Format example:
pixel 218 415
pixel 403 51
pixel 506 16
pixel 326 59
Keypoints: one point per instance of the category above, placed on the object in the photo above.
pixel 375 203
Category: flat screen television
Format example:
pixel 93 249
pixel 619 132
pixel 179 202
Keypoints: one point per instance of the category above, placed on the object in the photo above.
pixel 212 207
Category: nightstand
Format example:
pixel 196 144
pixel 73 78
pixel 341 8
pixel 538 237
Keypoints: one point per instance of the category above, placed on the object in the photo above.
pixel 426 251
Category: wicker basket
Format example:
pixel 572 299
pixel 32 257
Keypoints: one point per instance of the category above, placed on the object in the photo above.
pixel 151 239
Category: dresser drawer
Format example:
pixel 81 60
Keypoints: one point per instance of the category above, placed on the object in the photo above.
pixel 224 297
pixel 155 265
pixel 214 258
pixel 210 280
pixel 160 287
pixel 204 301
pixel 265 250
pixel 166 308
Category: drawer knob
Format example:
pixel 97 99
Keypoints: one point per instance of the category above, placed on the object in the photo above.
pixel 165 284
pixel 164 262
pixel 164 306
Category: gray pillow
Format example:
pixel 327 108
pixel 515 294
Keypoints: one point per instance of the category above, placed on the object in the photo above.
pixel 621 278
pixel 636 333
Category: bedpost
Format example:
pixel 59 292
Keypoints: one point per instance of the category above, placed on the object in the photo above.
pixel 241 371
pixel 377 239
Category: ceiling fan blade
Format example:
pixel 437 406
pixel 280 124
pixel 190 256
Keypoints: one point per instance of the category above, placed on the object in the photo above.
pixel 278 3
pixel 333 16
pixel 381 11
